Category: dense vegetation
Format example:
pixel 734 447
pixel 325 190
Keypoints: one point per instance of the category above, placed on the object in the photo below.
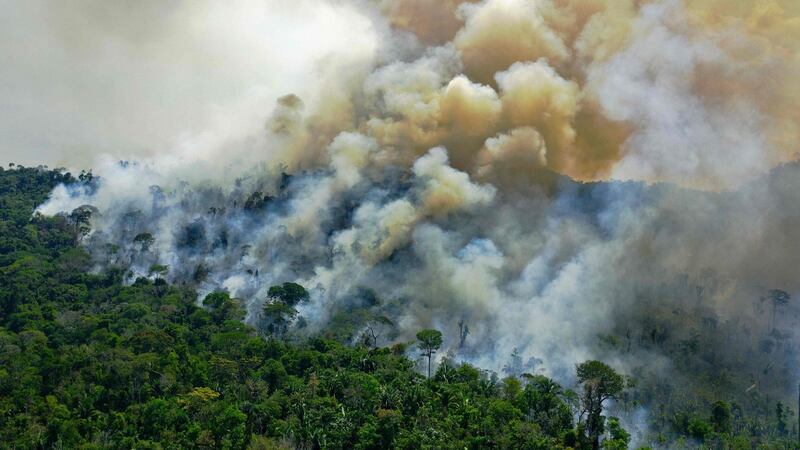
pixel 89 362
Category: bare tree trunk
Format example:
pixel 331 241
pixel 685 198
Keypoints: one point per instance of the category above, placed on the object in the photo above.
pixel 429 366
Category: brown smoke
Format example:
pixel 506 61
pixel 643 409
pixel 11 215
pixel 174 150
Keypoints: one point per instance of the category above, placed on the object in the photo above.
pixel 416 167
pixel 650 90
pixel 434 22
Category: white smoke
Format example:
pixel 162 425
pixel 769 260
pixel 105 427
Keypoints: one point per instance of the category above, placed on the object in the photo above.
pixel 428 174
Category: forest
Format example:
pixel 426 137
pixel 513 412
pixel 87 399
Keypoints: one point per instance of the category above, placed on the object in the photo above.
pixel 90 361
pixel 410 224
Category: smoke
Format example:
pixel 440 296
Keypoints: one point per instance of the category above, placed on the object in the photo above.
pixel 434 160
pixel 678 135
pixel 135 79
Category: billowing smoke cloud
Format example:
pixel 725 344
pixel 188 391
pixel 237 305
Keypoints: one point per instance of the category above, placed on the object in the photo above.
pixel 436 167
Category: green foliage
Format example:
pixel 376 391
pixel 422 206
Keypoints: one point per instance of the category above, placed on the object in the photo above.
pixel 721 417
pixel 429 342
pixel 699 429
pixel 276 317
pixel 87 362
pixel 618 438
pixel 604 381
pixel 223 308
pixel 600 383
pixel 289 293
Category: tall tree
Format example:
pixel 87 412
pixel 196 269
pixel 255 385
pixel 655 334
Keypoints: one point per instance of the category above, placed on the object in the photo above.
pixel 463 332
pixel 376 327
pixel 80 218
pixel 600 383
pixel 429 343
pixel 721 417
pixel 779 299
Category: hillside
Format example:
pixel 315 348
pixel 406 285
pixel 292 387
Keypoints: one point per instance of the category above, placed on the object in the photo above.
pixel 88 362
pixel 91 362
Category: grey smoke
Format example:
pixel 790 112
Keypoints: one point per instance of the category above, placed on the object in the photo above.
pixel 399 174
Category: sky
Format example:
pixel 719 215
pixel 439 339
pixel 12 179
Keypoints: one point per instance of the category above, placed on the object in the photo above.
pixel 132 78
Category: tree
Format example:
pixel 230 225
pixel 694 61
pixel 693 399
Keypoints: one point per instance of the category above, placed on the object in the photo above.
pixel 85 177
pixel 276 317
pixel 699 429
pixel 600 383
pixel 375 328
pixel 514 367
pixel 159 270
pixel 80 218
pixel 289 293
pixel 278 311
pixel 779 299
pixel 543 401
pixel 781 416
pixel 619 438
pixel 721 417
pixel 222 307
pixel 463 332
pixel 144 241
pixel 429 343
pixel 257 201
